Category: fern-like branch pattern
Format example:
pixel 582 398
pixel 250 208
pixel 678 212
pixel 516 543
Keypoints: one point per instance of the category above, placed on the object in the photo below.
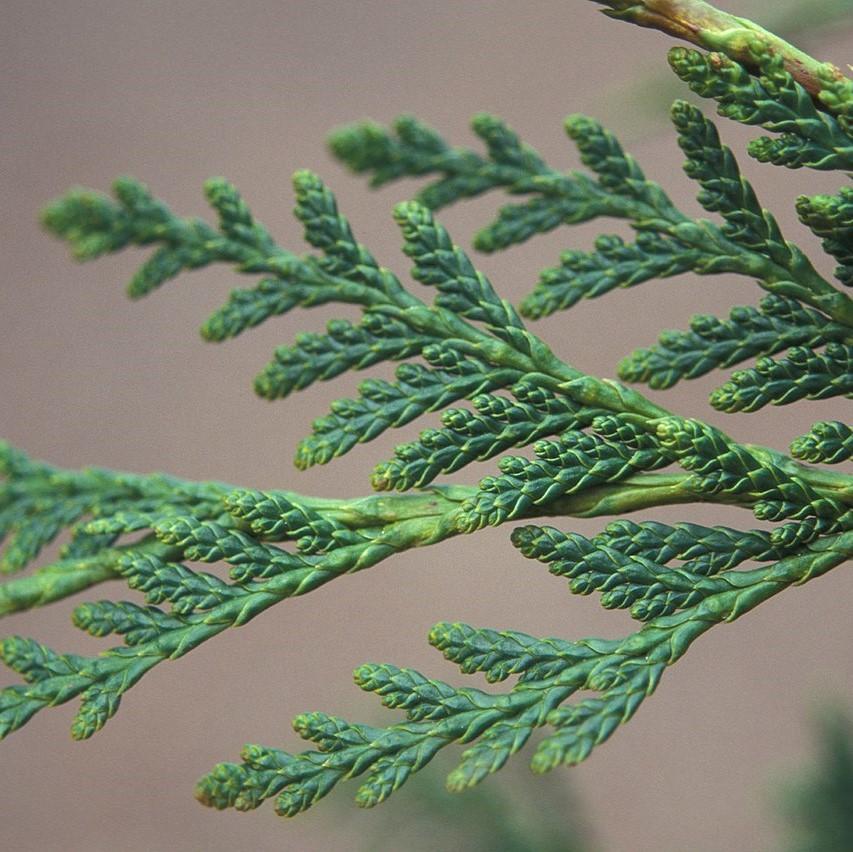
pixel 592 447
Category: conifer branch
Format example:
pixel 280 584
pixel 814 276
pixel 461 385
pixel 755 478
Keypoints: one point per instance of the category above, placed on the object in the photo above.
pixel 775 101
pixel 622 672
pixel 588 446
pixel 668 242
pixel 705 26
pixel 711 343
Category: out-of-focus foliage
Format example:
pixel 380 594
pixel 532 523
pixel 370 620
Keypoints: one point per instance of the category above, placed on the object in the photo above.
pixel 817 804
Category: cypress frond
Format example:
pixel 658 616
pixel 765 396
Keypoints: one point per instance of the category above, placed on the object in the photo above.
pixel 383 405
pixel 467 437
pixel 828 442
pixel 614 263
pixel 711 343
pixel 596 447
pixel 574 463
pixel 772 100
pixel 802 374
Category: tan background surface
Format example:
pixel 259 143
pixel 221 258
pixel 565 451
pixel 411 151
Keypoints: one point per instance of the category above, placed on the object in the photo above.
pixel 173 92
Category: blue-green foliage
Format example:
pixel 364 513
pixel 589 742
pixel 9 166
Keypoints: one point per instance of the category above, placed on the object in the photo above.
pixel 186 523
pixel 591 447
pixel 803 373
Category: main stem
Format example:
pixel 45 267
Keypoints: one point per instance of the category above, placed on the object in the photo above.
pixel 705 26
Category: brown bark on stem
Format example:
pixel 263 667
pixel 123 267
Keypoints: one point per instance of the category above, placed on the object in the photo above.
pixel 703 25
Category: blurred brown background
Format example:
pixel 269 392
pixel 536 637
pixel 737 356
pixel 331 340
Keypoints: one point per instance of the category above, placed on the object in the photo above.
pixel 173 92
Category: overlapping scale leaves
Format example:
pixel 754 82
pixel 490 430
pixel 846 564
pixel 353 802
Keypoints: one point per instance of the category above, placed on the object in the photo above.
pixel 344 271
pixel 776 324
pixel 808 135
pixel 781 321
pixel 619 189
pixel 412 149
pixel 756 478
pixel 613 677
pixel 180 523
pixel 830 217
pixel 629 563
pixel 454 372
pixel 94 507
pixel 396 326
pixel 575 462
pixel 804 309
pixel 586 446
pixel 497 423
pixel 678 579
pixel 829 442
pixel 802 374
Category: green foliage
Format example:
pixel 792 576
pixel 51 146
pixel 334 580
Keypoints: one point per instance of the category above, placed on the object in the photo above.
pixel 495 425
pixel 574 463
pixel 202 523
pixel 594 447
pixel 808 136
pixel 622 672
pixel 831 218
pixel 829 442
pixel 668 243
pixel 712 343
pixel 614 263
pixel 411 149
pixel 816 802
pixel 630 563
pixel 803 373
pixel 38 502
